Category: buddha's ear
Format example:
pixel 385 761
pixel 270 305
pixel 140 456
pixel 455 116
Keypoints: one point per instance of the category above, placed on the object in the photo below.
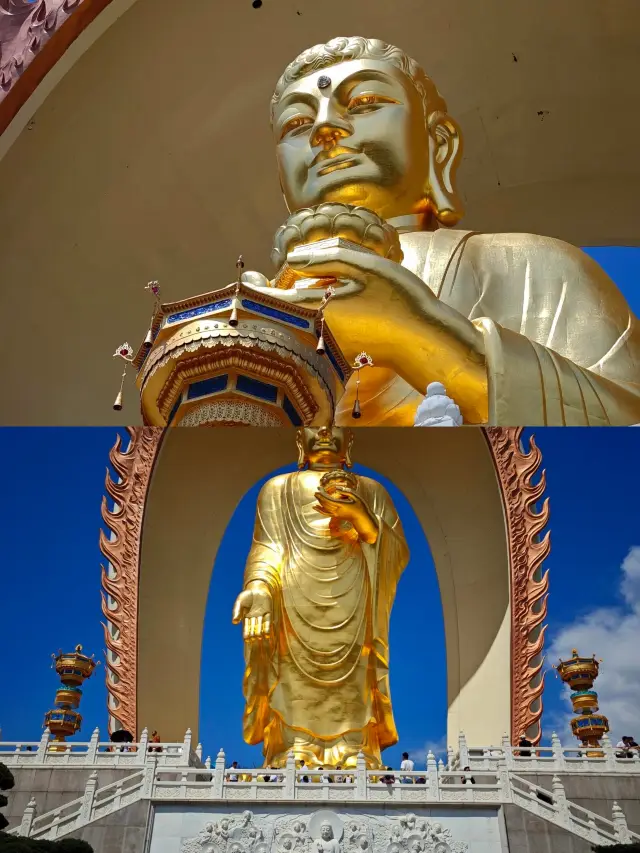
pixel 445 153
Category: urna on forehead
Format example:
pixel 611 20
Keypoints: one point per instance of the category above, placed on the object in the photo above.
pixel 349 49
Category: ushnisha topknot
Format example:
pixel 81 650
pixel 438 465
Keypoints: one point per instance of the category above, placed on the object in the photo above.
pixel 343 49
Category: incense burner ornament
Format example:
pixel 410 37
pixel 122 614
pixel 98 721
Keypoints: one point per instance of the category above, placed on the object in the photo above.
pixel 74 668
pixel 579 674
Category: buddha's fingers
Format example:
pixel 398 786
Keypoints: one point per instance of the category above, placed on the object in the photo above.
pixel 247 629
pixel 266 625
pixel 258 630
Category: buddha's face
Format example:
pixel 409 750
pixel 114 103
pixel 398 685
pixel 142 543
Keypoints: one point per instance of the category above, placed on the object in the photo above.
pixel 354 133
pixel 326 832
pixel 323 447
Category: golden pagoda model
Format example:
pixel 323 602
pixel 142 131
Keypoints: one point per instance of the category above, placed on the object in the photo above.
pixel 237 357
pixel 579 674
pixel 73 668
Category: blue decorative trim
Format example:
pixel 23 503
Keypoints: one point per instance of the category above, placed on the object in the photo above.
pixel 277 315
pixel 207 386
pixel 173 411
pixel 198 312
pixel 291 412
pixel 256 388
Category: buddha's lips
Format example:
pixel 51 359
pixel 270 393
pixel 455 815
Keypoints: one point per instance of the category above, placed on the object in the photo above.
pixel 338 153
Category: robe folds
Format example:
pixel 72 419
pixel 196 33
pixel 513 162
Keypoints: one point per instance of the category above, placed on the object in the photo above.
pixel 324 671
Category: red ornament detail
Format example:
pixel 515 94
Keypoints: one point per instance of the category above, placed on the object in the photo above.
pixel 124 352
pixel 364 360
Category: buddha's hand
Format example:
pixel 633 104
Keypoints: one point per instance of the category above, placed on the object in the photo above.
pixel 254 607
pixel 347 505
pixel 385 309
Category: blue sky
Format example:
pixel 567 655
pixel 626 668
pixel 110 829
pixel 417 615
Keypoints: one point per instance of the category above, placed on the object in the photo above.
pixel 50 581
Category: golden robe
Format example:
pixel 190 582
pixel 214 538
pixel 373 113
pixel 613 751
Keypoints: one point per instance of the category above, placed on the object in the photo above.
pixel 562 346
pixel 322 678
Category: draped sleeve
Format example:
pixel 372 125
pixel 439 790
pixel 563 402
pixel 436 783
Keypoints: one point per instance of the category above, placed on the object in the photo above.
pixel 562 345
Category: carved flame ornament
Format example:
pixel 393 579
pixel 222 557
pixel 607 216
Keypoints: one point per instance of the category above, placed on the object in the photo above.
pixel 120 578
pixel 529 588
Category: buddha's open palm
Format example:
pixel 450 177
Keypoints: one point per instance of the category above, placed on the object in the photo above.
pixel 254 607
pixel 348 506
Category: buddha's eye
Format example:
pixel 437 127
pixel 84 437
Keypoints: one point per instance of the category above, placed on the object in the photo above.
pixel 367 103
pixel 295 125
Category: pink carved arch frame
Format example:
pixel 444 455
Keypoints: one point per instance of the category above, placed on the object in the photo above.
pixel 527 547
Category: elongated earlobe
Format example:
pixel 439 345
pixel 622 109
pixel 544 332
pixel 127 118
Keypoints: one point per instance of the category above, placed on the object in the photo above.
pixel 445 153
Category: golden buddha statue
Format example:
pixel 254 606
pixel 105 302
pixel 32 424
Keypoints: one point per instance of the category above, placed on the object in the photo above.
pixel 520 329
pixel 320 580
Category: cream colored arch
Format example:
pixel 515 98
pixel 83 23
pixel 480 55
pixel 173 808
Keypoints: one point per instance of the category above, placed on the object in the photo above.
pixel 460 484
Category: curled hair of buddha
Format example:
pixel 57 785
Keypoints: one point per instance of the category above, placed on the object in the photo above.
pixel 345 49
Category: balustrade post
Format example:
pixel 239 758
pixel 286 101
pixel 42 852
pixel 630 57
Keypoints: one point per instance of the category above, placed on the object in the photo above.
pixel 199 752
pixel 207 762
pixel 53 832
pixel 507 752
pixel 433 781
pixel 463 750
pixel 43 746
pixel 609 752
pixel 503 779
pixel 92 750
pixel 558 752
pixel 290 777
pixel 623 836
pixel 217 780
pixel 361 777
pixel 186 747
pixel 149 777
pixel 88 797
pixel 560 800
pixel 594 835
pixel 451 757
pixel 28 816
pixel 183 784
pixel 143 746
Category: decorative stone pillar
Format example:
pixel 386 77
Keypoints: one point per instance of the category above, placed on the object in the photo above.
pixel 92 751
pixel 28 817
pixel 218 775
pixel 463 750
pixel 558 752
pixel 149 776
pixel 290 777
pixel 560 800
pixel 361 777
pixel 144 744
pixel 88 797
pixel 507 751
pixel 623 836
pixel 43 747
pixel 186 748
pixel 609 752
pixel 433 782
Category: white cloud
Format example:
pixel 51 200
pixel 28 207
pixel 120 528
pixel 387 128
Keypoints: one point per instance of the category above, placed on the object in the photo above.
pixel 613 634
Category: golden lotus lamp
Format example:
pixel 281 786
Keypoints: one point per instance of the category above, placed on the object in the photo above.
pixel 64 720
pixel 589 726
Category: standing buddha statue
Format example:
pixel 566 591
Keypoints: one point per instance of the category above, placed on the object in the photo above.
pixel 319 584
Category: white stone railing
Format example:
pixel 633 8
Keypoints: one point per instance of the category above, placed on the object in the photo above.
pixel 218 784
pixel 544 759
pixel 97 753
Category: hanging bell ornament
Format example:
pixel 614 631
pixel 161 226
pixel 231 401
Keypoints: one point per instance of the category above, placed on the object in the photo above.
pixel 233 319
pixel 149 339
pixel 320 346
pixel 117 403
pixel 355 412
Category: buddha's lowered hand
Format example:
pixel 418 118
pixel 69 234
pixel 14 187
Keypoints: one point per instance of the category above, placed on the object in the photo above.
pixel 382 307
pixel 254 607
